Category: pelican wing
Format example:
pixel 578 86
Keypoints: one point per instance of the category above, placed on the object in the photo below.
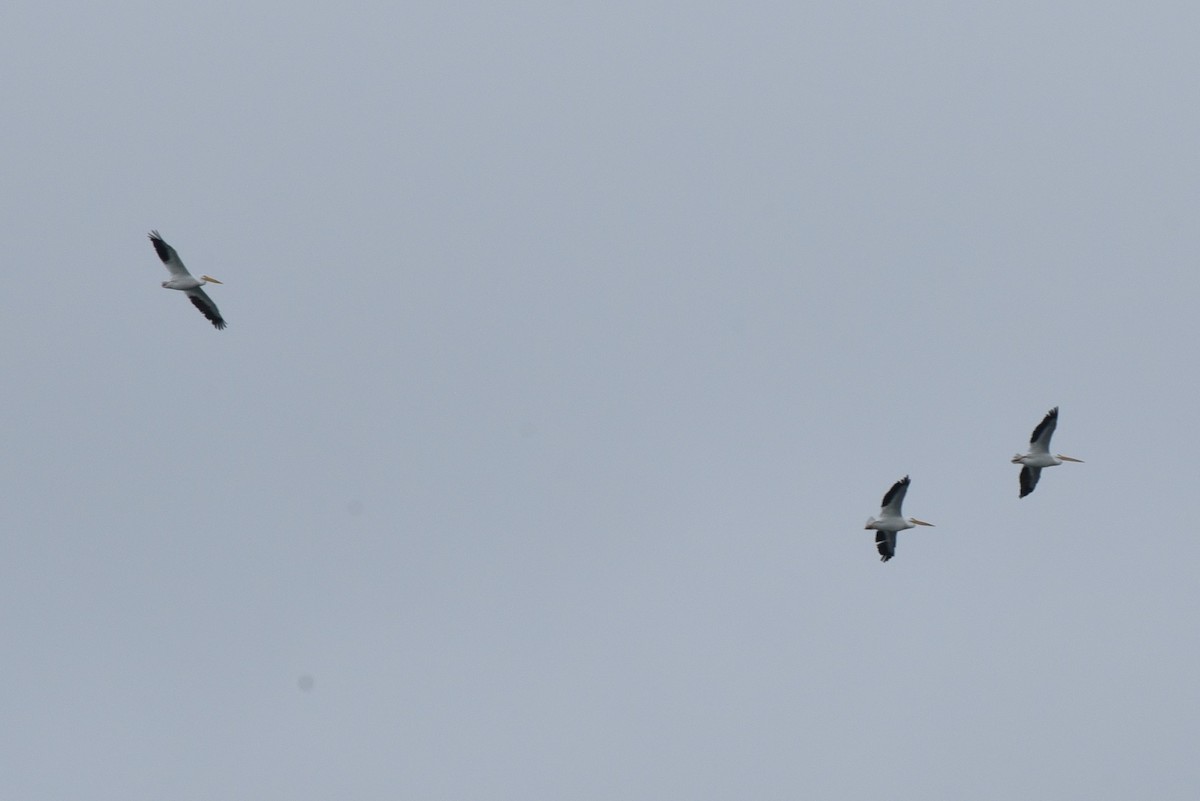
pixel 204 303
pixel 170 258
pixel 894 499
pixel 885 541
pixel 1040 441
pixel 1029 478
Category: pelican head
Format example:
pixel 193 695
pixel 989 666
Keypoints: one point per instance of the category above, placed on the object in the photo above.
pixel 917 522
pixel 870 522
pixel 208 279
pixel 1017 459
pixel 1069 459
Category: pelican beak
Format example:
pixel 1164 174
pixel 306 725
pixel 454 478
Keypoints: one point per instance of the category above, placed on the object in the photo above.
pixel 209 279
pixel 1069 459
pixel 917 522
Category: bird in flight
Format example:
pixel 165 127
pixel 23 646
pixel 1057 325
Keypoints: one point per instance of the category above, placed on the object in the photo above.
pixel 891 520
pixel 182 280
pixel 1039 455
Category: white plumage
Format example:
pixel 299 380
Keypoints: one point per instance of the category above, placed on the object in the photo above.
pixel 891 520
pixel 1039 455
pixel 182 280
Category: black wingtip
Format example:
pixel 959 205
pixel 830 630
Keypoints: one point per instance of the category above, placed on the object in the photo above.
pixel 1028 481
pixel 1051 419
pixel 891 493
pixel 160 247
pixel 212 314
pixel 885 542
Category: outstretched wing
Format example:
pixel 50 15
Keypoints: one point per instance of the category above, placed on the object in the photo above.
pixel 885 541
pixel 1040 441
pixel 204 303
pixel 893 499
pixel 1029 479
pixel 169 257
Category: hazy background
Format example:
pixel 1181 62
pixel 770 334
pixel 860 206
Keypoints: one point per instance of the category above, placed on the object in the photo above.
pixel 570 345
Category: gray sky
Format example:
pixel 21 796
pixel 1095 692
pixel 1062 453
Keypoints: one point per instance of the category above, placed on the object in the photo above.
pixel 569 348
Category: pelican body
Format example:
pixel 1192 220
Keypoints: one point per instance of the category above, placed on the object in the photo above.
pixel 891 520
pixel 184 281
pixel 1039 455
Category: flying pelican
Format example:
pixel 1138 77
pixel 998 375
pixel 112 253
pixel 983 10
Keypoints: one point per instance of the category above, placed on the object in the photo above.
pixel 1039 455
pixel 890 520
pixel 182 279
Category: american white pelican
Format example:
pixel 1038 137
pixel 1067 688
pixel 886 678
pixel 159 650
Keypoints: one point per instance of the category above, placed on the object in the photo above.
pixel 890 520
pixel 1039 455
pixel 182 279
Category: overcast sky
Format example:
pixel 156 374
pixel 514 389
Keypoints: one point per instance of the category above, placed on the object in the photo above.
pixel 570 346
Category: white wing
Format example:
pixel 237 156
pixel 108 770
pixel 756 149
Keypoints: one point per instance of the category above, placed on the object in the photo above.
pixel 894 499
pixel 1040 441
pixel 169 257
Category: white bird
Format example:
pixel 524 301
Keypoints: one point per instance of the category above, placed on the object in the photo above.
pixel 183 280
pixel 890 520
pixel 1039 455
